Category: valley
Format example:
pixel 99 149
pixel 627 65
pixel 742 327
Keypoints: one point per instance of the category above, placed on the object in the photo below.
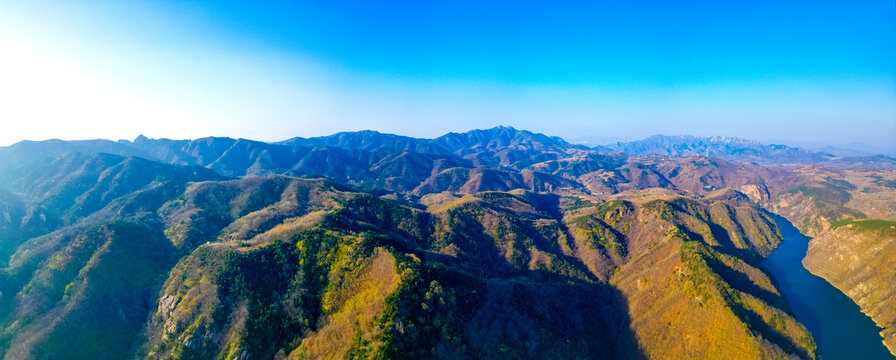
pixel 497 243
pixel 839 327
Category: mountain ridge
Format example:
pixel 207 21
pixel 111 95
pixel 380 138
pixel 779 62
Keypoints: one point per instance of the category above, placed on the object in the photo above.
pixel 499 146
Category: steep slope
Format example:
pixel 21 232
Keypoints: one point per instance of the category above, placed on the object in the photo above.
pixel 286 267
pixel 577 166
pixel 859 258
pixel 851 251
pixel 815 202
pixel 12 211
pixel 703 175
pixel 469 181
pixel 445 288
pixel 102 254
pixel 387 169
pixel 89 286
pixel 58 279
pixel 695 291
pixel 62 190
pixel 86 292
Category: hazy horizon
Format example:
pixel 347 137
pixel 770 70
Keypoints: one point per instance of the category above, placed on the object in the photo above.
pixel 802 72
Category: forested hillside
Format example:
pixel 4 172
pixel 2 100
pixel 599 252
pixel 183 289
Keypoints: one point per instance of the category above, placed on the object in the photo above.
pixel 495 243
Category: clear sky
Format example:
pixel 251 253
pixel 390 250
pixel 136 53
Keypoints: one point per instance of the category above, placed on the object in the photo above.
pixel 799 71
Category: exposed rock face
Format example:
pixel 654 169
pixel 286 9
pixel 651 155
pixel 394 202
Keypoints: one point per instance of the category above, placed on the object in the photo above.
pixel 859 258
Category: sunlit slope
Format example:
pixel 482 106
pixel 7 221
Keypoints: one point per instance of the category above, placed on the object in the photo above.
pixel 850 215
pixel 485 275
pixel 86 253
pixel 691 281
pixel 859 258
pixel 371 277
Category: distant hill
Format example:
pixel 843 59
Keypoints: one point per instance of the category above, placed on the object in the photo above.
pixel 407 165
pixel 729 148
pixel 499 146
pixel 367 159
pixel 369 140
pixel 508 147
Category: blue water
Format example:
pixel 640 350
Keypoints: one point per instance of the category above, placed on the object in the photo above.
pixel 840 329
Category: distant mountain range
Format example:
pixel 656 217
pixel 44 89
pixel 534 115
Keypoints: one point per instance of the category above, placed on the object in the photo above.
pixel 723 147
pixel 500 158
pixel 501 146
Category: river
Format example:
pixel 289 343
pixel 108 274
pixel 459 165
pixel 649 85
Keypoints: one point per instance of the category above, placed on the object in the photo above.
pixel 840 329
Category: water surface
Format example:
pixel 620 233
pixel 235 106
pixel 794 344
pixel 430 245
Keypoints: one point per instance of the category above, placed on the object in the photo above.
pixel 840 329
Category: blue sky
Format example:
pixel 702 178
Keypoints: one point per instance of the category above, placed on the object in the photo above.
pixel 796 71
